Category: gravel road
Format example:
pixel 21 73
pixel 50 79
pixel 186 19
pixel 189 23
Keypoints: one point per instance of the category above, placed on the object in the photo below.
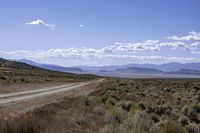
pixel 13 98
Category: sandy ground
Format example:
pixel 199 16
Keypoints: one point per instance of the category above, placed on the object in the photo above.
pixel 23 106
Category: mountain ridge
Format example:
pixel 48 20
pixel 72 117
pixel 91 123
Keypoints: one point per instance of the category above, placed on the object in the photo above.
pixel 52 66
pixel 167 67
pixel 173 68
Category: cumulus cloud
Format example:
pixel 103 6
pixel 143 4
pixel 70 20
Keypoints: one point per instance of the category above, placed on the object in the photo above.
pixel 118 51
pixel 148 45
pixel 88 54
pixel 192 36
pixel 40 22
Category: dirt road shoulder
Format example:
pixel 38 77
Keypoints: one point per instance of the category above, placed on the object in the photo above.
pixel 29 104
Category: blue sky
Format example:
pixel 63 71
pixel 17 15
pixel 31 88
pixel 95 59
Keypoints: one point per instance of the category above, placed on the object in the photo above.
pixel 100 32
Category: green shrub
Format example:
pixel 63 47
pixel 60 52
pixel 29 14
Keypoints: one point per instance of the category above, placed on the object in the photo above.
pixel 185 110
pixel 3 77
pixel 163 109
pixel 141 106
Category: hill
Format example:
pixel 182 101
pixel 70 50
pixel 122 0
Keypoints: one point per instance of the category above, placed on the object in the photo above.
pixel 14 72
pixel 167 67
pixel 138 70
pixel 52 67
pixel 129 70
pixel 186 72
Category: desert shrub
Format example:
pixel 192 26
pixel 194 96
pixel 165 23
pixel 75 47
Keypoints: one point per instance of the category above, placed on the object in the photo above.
pixel 159 101
pixel 155 118
pixel 194 117
pixel 198 98
pixel 48 79
pixel 111 101
pixel 139 123
pixel 150 109
pixel 79 117
pixel 174 116
pixel 178 99
pixel 171 127
pixel 89 100
pixel 3 77
pixel 127 105
pixel 167 90
pixel 99 110
pixel 196 108
pixel 117 98
pixel 184 120
pixel 163 109
pixel 105 95
pixel 193 128
pixel 141 106
pixel 185 110
pixel 163 118
pixel 115 116
pixel 131 96
pixel 123 83
pixel 155 96
pixel 109 128
pixel 141 94
pixel 196 88
pixel 22 79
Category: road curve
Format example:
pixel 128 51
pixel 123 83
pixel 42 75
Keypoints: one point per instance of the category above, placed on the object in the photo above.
pixel 12 98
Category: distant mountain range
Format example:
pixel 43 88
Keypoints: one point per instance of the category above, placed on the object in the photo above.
pixel 174 68
pixel 138 70
pixel 52 67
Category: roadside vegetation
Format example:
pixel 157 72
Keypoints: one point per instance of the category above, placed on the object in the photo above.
pixel 119 106
pixel 12 72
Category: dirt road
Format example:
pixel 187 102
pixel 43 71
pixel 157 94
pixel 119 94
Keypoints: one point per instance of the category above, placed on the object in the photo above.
pixel 13 98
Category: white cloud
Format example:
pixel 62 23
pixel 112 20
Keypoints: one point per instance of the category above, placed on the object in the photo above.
pixel 148 45
pixel 36 22
pixel 192 36
pixel 195 52
pixel 81 25
pixel 89 54
pixel 118 51
pixel 40 22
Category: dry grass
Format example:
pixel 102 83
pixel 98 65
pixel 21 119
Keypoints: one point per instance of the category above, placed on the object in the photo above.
pixel 15 73
pixel 120 106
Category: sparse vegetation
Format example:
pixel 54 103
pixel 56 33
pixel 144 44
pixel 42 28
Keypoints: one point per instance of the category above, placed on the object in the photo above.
pixel 12 72
pixel 119 106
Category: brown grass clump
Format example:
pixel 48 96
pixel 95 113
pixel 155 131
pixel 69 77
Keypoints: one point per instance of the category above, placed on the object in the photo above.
pixel 171 127
pixel 139 123
pixel 30 123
